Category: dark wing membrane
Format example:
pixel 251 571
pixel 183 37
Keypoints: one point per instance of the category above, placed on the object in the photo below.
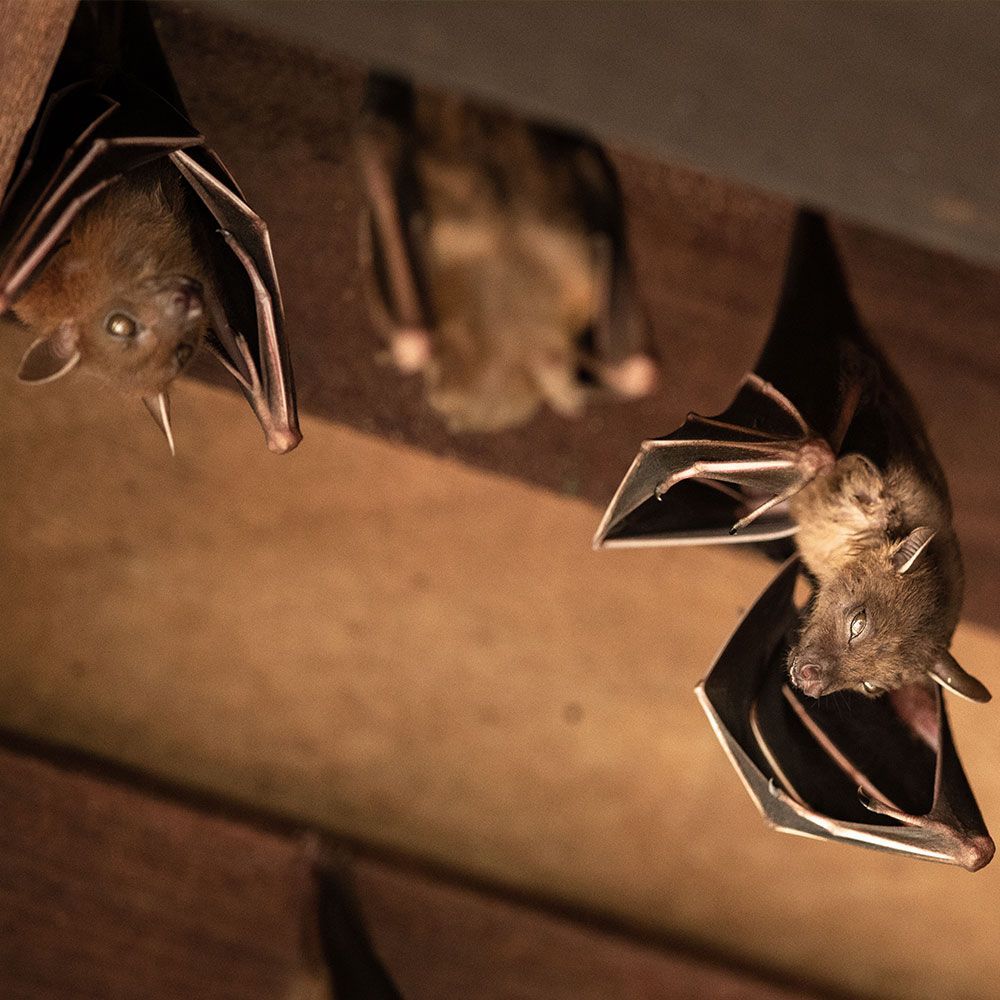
pixel 694 484
pixel 803 761
pixel 252 333
pixel 84 140
pixel 354 967
pixel 872 746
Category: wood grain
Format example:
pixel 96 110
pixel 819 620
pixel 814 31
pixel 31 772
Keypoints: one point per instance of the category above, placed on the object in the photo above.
pixel 31 35
pixel 108 893
pixel 112 893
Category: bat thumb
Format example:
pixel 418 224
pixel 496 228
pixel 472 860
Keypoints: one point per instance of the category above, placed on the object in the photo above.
pixel 159 410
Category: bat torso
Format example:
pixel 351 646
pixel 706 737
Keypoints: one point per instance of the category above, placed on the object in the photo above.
pixel 508 263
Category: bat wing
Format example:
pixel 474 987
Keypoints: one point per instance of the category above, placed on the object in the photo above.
pixel 338 955
pixel 251 345
pixel 719 479
pixel 85 140
pixel 355 968
pixel 787 421
pixel 100 124
pixel 803 761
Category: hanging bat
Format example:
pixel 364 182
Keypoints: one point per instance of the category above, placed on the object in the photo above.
pixel 802 759
pixel 496 259
pixel 124 243
pixel 339 961
pixel 881 773
pixel 878 542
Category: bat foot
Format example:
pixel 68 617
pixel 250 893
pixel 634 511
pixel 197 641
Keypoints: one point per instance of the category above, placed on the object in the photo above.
pixel 410 350
pixel 884 809
pixel 633 378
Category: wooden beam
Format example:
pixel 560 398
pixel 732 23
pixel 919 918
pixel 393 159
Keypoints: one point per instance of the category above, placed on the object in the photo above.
pixel 31 36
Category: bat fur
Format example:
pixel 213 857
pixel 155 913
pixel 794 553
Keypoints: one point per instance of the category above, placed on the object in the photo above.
pixel 886 561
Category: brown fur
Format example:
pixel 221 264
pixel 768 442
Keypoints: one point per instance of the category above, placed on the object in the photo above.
pixel 126 254
pixel 851 523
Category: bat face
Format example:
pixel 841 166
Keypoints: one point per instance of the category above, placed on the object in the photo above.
pixel 143 337
pixel 870 629
pixel 119 299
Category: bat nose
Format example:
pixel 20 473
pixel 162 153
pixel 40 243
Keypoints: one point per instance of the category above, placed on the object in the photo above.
pixel 186 305
pixel 183 300
pixel 810 677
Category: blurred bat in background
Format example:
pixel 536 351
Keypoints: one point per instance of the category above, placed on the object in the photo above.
pixel 339 959
pixel 496 259
pixel 124 243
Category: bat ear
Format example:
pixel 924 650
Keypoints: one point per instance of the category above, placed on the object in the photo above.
pixel 159 410
pixel 947 672
pixel 50 357
pixel 909 549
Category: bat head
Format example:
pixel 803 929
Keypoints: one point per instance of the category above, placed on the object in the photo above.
pixel 885 621
pixel 139 336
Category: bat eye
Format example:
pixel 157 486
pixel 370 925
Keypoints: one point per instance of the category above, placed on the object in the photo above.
pixel 183 354
pixel 121 325
pixel 858 624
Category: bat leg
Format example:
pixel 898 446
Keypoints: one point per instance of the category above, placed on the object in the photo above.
pixel 621 332
pixel 410 348
pixel 389 233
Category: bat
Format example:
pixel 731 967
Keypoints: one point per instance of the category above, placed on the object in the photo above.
pixel 880 773
pixel 873 526
pixel 339 959
pixel 829 426
pixel 125 244
pixel 495 256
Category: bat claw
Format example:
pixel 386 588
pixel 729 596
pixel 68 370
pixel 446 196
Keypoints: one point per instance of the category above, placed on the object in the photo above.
pixel 867 801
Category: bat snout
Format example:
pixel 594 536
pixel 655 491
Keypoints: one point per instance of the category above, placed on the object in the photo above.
pixel 181 300
pixel 811 675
